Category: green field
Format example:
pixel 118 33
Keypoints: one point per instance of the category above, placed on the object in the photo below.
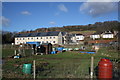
pixel 70 64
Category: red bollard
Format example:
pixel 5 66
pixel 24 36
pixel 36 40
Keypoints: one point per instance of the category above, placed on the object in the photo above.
pixel 105 69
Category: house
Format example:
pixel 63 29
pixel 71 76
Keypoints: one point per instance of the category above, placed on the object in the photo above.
pixel 79 37
pixel 67 38
pixel 73 38
pixel 54 37
pixel 95 36
pixel 107 34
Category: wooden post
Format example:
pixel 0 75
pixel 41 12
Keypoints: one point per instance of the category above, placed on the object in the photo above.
pixel 34 71
pixel 15 52
pixel 92 62
pixel 24 51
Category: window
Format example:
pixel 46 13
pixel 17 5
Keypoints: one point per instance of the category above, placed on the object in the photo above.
pixel 46 41
pixel 77 38
pixel 46 37
pixel 53 41
pixel 53 37
pixel 31 38
pixel 23 38
pixel 28 38
pixel 41 37
pixel 37 37
pixel 50 37
pixel 20 38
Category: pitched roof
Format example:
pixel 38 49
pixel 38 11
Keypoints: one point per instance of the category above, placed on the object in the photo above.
pixel 96 34
pixel 108 33
pixel 54 33
pixel 78 34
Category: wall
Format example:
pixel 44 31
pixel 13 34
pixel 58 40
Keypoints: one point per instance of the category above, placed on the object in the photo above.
pixel 107 36
pixel 43 39
pixel 81 37
pixel 60 40
pixel 94 36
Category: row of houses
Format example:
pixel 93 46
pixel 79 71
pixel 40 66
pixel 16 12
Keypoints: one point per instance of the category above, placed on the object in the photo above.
pixel 57 37
pixel 106 34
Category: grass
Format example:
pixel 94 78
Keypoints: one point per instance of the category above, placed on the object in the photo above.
pixel 70 64
pixel 83 32
pixel 9 52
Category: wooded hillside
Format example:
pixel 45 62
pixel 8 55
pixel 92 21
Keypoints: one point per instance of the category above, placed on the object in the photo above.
pixel 98 27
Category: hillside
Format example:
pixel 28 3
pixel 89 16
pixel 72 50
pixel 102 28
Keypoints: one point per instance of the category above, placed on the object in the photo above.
pixel 96 27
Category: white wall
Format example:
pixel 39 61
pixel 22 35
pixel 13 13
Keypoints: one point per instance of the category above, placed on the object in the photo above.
pixel 43 39
pixel 107 36
pixel 80 37
pixel 94 36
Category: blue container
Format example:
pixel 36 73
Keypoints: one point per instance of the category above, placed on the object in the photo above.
pixel 53 52
pixel 82 52
pixel 27 68
pixel 60 49
pixel 90 52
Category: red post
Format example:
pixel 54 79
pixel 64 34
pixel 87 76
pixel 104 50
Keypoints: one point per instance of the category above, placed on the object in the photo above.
pixel 105 69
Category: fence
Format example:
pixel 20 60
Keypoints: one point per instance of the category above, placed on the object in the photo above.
pixel 54 68
pixel 73 69
pixel 61 65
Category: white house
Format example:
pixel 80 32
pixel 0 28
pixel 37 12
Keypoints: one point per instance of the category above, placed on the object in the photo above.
pixel 107 34
pixel 79 37
pixel 55 37
pixel 95 36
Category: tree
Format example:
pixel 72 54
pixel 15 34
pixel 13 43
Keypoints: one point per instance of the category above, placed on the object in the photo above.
pixel 7 38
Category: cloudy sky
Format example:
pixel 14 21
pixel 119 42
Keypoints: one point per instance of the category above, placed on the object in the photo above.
pixel 18 16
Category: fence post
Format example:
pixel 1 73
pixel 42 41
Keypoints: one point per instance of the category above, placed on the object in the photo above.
pixel 15 52
pixel 34 69
pixel 91 71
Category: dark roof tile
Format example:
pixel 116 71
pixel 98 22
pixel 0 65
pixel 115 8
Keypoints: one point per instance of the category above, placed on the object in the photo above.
pixel 54 33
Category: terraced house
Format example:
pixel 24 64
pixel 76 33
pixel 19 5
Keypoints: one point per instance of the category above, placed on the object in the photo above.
pixel 55 37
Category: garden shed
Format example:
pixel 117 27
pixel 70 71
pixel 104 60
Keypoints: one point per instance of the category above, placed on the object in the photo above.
pixel 45 48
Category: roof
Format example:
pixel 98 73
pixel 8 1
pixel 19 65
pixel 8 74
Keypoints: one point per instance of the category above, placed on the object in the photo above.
pixel 73 34
pixel 78 34
pixel 95 34
pixel 108 33
pixel 54 33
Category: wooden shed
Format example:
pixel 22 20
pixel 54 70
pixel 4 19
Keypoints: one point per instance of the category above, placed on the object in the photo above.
pixel 46 48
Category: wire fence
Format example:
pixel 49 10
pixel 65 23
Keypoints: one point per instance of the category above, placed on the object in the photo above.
pixel 49 67
pixel 54 68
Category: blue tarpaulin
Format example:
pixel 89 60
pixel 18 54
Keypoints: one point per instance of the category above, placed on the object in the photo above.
pixel 37 43
pixel 60 48
pixel 87 52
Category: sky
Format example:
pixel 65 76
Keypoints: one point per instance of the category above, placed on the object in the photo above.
pixel 21 16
